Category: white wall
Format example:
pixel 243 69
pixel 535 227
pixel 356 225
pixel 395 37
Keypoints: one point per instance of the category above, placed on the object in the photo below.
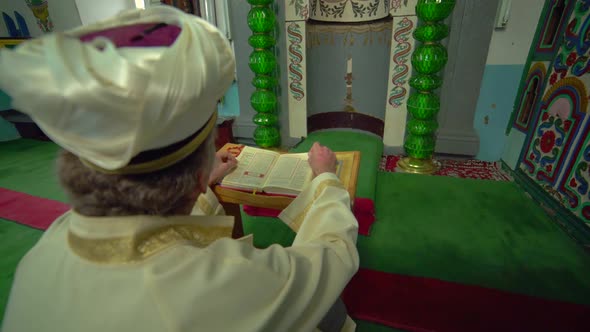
pixel 93 10
pixel 507 56
pixel 63 13
pixel 511 45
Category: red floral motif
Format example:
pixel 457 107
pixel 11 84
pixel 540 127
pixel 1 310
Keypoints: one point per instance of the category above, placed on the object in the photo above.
pixel 571 59
pixel 553 78
pixel 573 183
pixel 562 75
pixel 545 116
pixel 567 124
pixel 532 156
pixel 547 141
pixel 305 11
pixel 549 168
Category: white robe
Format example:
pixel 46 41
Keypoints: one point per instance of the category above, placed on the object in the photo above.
pixel 145 273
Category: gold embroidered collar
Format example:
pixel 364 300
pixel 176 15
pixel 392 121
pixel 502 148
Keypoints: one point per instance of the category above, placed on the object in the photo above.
pixel 112 240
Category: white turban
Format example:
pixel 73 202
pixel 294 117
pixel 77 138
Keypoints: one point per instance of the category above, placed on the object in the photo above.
pixel 107 104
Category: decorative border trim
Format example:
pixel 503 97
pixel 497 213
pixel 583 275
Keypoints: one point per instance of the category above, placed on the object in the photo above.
pixel 6 42
pixel 396 111
pixel 563 87
pixel 566 82
pixel 402 7
pixel 296 38
pixel 348 10
pixel 401 50
pixel 296 10
pixel 523 77
pixel 538 70
pixel 550 49
pixel 295 33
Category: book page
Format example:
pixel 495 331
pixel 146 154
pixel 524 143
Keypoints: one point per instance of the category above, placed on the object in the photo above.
pixel 254 166
pixel 291 171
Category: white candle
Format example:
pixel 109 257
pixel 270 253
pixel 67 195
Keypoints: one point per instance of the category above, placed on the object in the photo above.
pixel 349 66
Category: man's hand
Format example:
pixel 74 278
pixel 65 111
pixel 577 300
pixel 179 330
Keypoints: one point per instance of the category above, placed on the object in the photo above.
pixel 224 162
pixel 321 159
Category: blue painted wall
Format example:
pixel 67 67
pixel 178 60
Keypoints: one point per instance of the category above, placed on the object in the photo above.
pixel 496 101
pixel 507 56
pixel 4 101
pixel 7 130
pixel 231 103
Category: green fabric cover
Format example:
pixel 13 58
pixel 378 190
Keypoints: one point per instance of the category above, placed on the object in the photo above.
pixel 268 231
pixel 370 146
pixel 5 101
pixel 473 232
pixel 7 130
pixel 469 231
pixel 28 166
pixel 15 241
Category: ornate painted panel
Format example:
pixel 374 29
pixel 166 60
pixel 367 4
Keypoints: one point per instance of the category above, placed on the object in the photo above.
pixel 557 151
pixel 296 10
pixel 562 113
pixel 403 7
pixel 532 93
pixel 296 77
pixel 548 38
pixel 574 186
pixel 555 17
pixel 348 10
pixel 402 47
pixel 40 9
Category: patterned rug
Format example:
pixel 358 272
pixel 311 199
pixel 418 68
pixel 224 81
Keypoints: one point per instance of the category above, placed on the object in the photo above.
pixel 466 169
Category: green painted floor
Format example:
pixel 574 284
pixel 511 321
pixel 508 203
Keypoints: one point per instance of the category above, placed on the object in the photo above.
pixel 15 241
pixel 469 231
pixel 29 166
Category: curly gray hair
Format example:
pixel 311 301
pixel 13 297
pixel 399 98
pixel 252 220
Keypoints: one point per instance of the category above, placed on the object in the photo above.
pixel 171 191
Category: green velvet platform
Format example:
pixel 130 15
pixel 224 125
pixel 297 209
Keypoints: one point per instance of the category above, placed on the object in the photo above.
pixel 26 166
pixel 468 231
pixel 269 231
pixel 474 232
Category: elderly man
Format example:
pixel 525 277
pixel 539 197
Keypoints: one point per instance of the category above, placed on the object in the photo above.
pixel 146 246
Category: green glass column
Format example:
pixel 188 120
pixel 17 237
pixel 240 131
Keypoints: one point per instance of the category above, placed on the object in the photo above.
pixel 428 59
pixel 262 61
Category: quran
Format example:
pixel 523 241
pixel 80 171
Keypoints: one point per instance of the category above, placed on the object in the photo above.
pixel 271 172
pixel 348 161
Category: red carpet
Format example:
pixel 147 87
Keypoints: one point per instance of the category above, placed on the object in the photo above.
pixel 423 304
pixel 403 302
pixel 29 210
pixel 39 212
pixel 467 169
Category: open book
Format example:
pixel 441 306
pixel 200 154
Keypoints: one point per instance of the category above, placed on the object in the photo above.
pixel 270 172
